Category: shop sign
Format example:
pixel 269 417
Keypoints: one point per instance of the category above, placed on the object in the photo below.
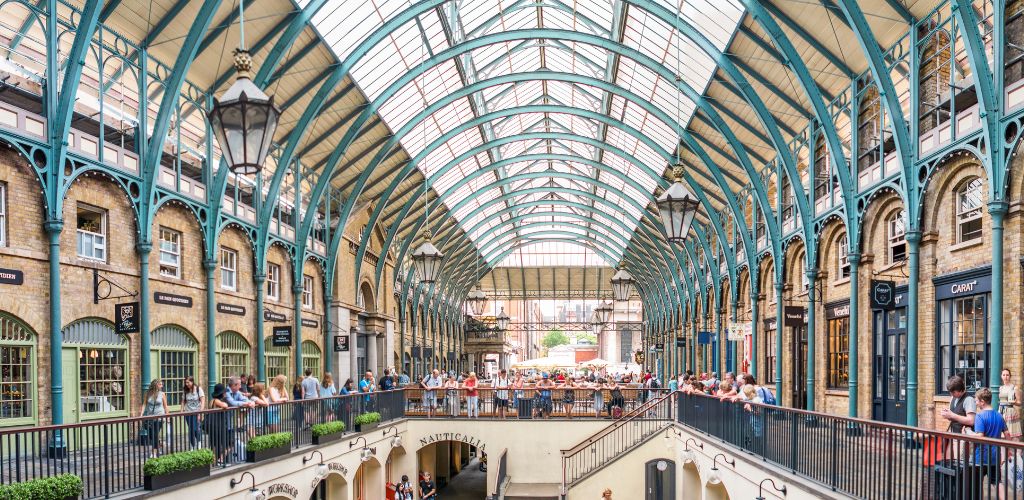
pixel 794 316
pixel 428 352
pixel 281 336
pixel 274 317
pixel 705 338
pixel 341 343
pixel 312 323
pixel 963 284
pixel 660 346
pixel 839 309
pixel 230 309
pixel 451 356
pixel 441 437
pixel 171 299
pixel 126 318
pixel 681 342
pixel 883 294
pixel 770 324
pixel 282 489
pixel 11 277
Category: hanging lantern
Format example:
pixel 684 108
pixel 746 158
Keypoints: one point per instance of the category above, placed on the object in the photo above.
pixel 427 260
pixel 677 207
pixel 603 312
pixel 477 301
pixel 503 320
pixel 622 284
pixel 596 325
pixel 244 120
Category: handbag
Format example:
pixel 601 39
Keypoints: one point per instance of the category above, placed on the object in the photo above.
pixel 144 433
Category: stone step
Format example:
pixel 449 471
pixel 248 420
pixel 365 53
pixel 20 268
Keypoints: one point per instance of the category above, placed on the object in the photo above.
pixel 532 491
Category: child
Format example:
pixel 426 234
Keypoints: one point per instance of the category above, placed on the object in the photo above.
pixel 988 423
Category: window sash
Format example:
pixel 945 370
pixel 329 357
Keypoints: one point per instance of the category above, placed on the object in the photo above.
pixel 307 291
pixel 17 378
pixel 963 341
pixel 92 245
pixel 838 345
pixel 273 281
pixel 97 376
pixel 3 214
pixel 228 266
pixel 170 253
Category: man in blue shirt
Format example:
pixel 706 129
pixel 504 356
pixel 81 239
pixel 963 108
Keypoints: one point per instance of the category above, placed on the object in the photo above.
pixel 235 397
pixel 367 385
pixel 988 423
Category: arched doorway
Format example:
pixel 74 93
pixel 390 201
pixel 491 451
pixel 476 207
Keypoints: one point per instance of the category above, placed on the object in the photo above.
pixel 455 469
pixel 368 481
pixel 660 479
pixel 332 487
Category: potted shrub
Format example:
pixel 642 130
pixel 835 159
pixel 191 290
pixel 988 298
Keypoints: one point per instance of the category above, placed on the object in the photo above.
pixel 367 421
pixel 327 432
pixel 176 468
pixel 59 487
pixel 268 446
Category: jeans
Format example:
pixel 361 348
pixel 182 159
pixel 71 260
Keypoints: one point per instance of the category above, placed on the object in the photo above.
pixel 195 432
pixel 471 406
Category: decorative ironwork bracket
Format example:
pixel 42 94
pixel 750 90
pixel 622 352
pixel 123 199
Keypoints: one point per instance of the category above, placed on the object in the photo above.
pixel 103 287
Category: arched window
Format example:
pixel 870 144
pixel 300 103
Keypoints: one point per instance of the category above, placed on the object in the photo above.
pixel 968 211
pixel 1013 51
pixel 276 359
pixel 869 129
pixel 787 198
pixel 102 376
pixel 232 355
pixel 17 372
pixel 174 350
pixel 843 257
pixel 897 237
pixel 933 80
pixel 821 168
pixel 311 357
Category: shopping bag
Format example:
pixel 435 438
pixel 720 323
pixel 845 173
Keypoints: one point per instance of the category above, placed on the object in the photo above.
pixel 935 449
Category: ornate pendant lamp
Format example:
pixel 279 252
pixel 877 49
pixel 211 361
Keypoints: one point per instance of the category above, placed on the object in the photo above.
pixel 622 284
pixel 503 320
pixel 426 259
pixel 477 301
pixel 677 207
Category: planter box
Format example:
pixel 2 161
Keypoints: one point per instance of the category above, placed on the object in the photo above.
pixel 367 427
pixel 327 438
pixel 259 456
pixel 176 478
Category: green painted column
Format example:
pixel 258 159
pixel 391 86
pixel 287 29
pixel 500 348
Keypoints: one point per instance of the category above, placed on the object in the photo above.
pixel 259 280
pixel 812 279
pixel 210 266
pixel 913 304
pixel 779 322
pixel 143 250
pixel 328 351
pixel 716 358
pixel 854 259
pixel 731 351
pixel 997 210
pixel 297 322
pixel 53 229
pixel 755 318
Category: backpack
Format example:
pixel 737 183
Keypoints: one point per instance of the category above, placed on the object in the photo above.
pixel 766 396
pixel 655 384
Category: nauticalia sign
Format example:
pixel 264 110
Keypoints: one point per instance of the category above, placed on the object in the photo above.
pixel 452 436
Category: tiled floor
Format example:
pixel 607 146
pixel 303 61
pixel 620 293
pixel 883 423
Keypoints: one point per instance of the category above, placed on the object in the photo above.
pixel 469 484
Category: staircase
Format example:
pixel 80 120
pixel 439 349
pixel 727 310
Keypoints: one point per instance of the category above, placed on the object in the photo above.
pixel 604 447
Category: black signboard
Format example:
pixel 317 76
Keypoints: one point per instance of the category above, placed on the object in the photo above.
pixel 794 316
pixel 312 323
pixel 428 352
pixel 839 309
pixel 230 309
pixel 770 324
pixel 282 336
pixel 341 343
pixel 962 284
pixel 126 317
pixel 274 317
pixel 883 294
pixel 11 277
pixel 172 299
pixel 451 356
pixel 416 351
pixel 680 341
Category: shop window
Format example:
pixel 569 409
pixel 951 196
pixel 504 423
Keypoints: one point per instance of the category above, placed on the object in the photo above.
pixel 1013 51
pixel 273 281
pixel 232 355
pixel 868 129
pixel 3 214
pixel 771 337
pixel 102 376
pixel 963 340
pixel 626 346
pixel 843 258
pixel 311 357
pixel 91 227
pixel 276 359
pixel 17 373
pixel 307 291
pixel 838 352
pixel 176 351
pixel 897 237
pixel 968 211
pixel 170 253
pixel 228 269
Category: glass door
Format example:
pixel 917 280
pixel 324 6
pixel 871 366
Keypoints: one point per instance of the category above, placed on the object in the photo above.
pixel 889 377
pixel 799 358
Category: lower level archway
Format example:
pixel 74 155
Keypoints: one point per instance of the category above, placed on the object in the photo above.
pixel 454 468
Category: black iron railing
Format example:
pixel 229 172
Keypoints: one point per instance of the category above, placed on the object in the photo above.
pixel 862 458
pixel 108 455
pixel 527 402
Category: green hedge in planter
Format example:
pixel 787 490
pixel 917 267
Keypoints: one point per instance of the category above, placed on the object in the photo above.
pixel 269 441
pixel 56 487
pixel 368 418
pixel 175 462
pixel 320 430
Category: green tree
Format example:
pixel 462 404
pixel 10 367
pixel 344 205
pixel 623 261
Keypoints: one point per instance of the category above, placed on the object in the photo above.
pixel 586 338
pixel 554 338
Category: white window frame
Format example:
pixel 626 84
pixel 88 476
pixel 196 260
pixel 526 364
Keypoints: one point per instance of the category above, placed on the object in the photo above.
pixel 965 216
pixel 3 214
pixel 172 252
pixel 273 281
pixel 307 291
pixel 101 237
pixel 843 258
pixel 896 233
pixel 228 269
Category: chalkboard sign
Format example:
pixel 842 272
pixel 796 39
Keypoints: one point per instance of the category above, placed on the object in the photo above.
pixel 282 336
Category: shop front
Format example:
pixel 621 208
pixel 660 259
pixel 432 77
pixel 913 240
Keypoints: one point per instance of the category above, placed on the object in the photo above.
pixel 889 352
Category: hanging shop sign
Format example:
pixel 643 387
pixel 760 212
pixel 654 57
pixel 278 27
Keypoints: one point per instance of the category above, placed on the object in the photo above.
pixel 126 318
pixel 451 356
pixel 312 323
pixel 736 331
pixel 171 299
pixel 281 336
pixel 428 352
pixel 341 343
pixel 705 338
pixel 230 309
pixel 771 324
pixel 11 277
pixel 883 294
pixel 660 346
pixel 840 309
pixel 680 341
pixel 274 317
pixel 963 284
pixel 794 316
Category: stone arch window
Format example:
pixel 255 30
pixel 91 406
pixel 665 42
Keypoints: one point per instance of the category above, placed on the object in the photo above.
pixel 232 355
pixel 843 257
pixel 101 358
pixel 174 353
pixel 968 208
pixel 1013 52
pixel 896 236
pixel 869 129
pixel 821 168
pixel 276 359
pixel 933 80
pixel 787 198
pixel 311 357
pixel 17 372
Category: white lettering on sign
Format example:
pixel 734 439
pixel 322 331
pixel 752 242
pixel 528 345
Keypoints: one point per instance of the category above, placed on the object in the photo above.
pixel 841 311
pixel 8 276
pixel 899 298
pixel 963 287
